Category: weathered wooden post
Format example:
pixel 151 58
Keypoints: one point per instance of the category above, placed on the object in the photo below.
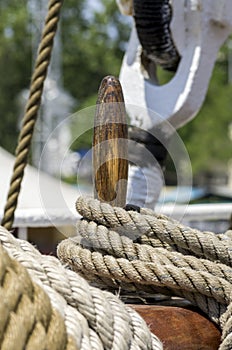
pixel 110 154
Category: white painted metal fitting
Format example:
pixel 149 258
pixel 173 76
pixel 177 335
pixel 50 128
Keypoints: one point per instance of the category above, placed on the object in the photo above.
pixel 199 28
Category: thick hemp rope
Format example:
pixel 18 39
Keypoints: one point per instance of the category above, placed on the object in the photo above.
pixel 32 107
pixel 145 251
pixel 28 320
pixel 58 309
pixel 96 319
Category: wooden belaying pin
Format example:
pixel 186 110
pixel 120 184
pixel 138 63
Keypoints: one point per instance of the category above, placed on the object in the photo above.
pixel 177 328
pixel 110 151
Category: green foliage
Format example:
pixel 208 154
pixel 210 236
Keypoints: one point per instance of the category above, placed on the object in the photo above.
pixel 92 43
pixel 15 66
pixel 94 39
pixel 93 48
pixel 206 137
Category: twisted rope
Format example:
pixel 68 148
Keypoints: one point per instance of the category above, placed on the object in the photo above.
pixel 96 319
pixel 27 316
pixel 144 251
pixel 32 107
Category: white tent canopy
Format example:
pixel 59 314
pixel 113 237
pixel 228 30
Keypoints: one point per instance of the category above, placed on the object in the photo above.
pixel 43 200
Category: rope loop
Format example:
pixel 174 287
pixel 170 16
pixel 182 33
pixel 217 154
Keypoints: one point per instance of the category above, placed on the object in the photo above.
pixel 95 319
pixel 138 251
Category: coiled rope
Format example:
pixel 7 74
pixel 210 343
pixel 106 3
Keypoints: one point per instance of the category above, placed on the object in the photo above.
pixel 95 319
pixel 57 309
pixel 143 251
pixel 28 320
pixel 31 111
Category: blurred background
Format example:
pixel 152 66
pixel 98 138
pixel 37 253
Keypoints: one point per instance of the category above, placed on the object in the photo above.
pixel 90 44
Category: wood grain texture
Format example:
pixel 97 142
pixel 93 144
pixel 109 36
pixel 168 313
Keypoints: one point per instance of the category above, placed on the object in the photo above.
pixel 180 328
pixel 110 150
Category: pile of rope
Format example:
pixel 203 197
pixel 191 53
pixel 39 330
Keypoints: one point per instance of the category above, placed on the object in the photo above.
pixel 144 251
pixel 54 308
pixel 28 320
pixel 45 305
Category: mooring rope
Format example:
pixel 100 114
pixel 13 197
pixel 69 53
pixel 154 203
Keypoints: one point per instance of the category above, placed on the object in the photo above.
pixel 31 111
pixel 51 307
pixel 96 319
pixel 28 320
pixel 125 249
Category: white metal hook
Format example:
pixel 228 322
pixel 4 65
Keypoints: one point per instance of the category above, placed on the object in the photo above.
pixel 199 32
pixel 199 28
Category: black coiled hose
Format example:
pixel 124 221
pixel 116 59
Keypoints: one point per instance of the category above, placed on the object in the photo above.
pixel 152 19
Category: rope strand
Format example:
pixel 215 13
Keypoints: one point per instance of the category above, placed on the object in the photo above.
pixel 108 324
pixel 27 316
pixel 145 251
pixel 30 116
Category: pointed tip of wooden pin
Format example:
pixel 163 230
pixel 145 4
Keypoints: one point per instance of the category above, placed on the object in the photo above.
pixel 110 90
pixel 110 154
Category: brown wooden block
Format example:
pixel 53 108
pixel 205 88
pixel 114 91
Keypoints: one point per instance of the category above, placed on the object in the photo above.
pixel 180 328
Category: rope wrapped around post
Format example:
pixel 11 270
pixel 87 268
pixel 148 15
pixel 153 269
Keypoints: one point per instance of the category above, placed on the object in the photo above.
pixel 125 248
